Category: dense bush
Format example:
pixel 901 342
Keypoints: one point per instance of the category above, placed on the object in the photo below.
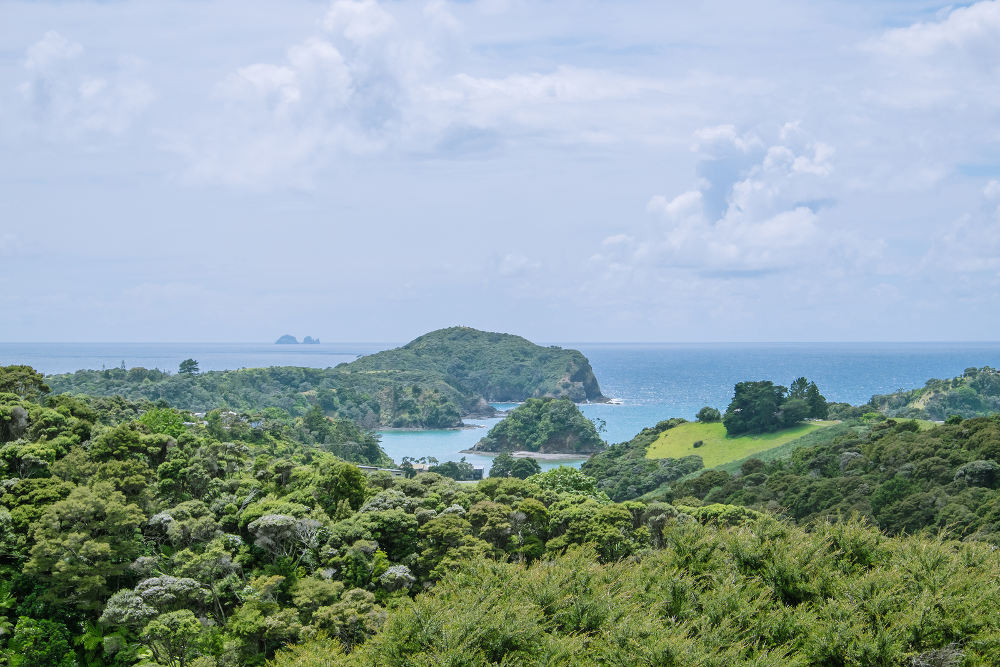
pixel 755 592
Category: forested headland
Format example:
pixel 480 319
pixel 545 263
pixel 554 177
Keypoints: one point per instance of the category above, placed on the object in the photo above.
pixel 429 383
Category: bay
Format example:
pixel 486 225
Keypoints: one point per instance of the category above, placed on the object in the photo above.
pixel 650 382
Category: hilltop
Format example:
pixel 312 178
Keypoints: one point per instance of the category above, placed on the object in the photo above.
pixel 496 366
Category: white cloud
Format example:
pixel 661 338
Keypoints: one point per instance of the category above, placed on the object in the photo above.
pixel 358 20
pixel 973 29
pixel 51 49
pixel 66 97
pixel 970 243
pixel 377 83
pixel 767 224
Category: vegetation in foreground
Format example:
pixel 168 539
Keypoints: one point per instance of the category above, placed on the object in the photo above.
pixel 131 533
pixel 742 589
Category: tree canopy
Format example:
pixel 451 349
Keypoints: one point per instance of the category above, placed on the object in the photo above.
pixel 545 425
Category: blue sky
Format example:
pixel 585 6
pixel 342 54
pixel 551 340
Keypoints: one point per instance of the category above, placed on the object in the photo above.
pixel 588 171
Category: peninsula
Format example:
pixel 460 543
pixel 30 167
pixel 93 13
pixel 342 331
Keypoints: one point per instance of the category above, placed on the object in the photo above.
pixel 432 382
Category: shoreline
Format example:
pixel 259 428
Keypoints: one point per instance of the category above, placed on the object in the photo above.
pixel 420 429
pixel 541 456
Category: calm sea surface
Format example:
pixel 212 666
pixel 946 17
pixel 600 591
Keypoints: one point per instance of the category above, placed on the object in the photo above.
pixel 652 381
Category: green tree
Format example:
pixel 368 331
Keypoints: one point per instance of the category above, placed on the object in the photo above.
pixel 188 367
pixel 525 468
pixel 793 411
pixel 708 415
pixel 754 408
pixel 84 544
pixel 818 408
pixel 173 637
pixel 798 388
pixel 38 642
pixel 568 480
pixel 24 381
pixel 502 464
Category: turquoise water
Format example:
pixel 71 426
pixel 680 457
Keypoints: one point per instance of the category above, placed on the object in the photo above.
pixel 652 381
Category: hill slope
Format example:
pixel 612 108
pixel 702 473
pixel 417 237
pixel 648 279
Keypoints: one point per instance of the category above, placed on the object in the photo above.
pixel 975 393
pixel 716 447
pixel 496 366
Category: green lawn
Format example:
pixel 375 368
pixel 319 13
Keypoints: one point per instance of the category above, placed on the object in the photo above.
pixel 718 448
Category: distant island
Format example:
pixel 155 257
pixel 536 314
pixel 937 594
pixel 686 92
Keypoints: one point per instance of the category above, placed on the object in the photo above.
pixel 289 339
pixel 432 382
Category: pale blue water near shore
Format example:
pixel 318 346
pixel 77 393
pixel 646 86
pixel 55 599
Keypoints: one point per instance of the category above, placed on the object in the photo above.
pixel 652 381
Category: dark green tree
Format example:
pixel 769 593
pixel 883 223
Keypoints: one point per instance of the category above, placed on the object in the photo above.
pixel 39 642
pixel 798 388
pixel 818 408
pixel 502 464
pixel 24 381
pixel 188 367
pixel 754 408
pixel 708 415
pixel 525 468
pixel 793 411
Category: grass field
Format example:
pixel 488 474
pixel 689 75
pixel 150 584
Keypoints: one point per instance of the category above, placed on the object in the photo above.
pixel 717 448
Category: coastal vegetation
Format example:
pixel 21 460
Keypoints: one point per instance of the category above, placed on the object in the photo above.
pixel 430 383
pixel 546 426
pixel 975 393
pixel 135 533
pixel 715 586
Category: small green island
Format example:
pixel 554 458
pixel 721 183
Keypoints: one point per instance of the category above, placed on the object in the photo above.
pixel 545 427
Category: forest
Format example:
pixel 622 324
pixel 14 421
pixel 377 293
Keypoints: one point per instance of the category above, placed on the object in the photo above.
pixel 134 533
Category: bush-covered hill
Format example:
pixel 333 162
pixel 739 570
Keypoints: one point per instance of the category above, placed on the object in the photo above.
pixel 545 425
pixel 497 366
pixel 975 393
pixel 903 478
pixel 429 383
pixel 131 534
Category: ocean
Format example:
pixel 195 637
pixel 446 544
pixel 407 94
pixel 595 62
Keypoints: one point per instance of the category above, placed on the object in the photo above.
pixel 650 381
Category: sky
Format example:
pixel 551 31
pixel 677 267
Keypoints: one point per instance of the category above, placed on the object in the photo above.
pixel 232 170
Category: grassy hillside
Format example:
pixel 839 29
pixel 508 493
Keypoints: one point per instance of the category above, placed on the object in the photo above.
pixel 717 448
